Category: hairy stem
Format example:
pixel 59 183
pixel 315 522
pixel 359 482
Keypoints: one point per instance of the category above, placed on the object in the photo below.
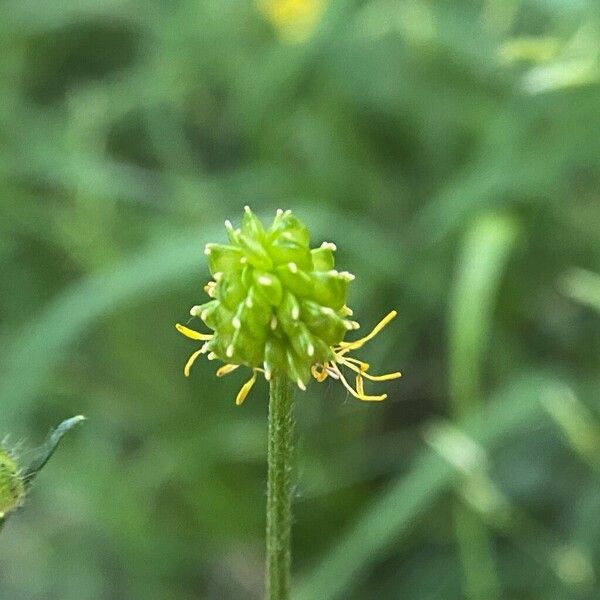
pixel 279 497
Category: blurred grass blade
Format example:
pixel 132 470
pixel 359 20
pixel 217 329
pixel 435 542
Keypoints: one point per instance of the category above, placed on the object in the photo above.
pixel 44 341
pixel 568 563
pixel 408 498
pixel 582 286
pixel 579 426
pixel 481 264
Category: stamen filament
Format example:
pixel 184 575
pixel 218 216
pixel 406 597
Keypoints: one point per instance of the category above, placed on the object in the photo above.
pixel 363 372
pixel 191 360
pixel 226 369
pixel 192 334
pixel 354 392
pixel 347 346
pixel 245 389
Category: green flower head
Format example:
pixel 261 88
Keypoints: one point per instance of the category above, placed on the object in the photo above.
pixel 12 487
pixel 279 306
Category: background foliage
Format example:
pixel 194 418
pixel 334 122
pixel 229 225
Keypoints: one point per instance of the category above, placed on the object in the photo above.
pixel 449 148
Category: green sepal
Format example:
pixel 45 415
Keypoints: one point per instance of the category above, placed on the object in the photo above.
pixel 252 227
pixel 296 368
pixel 260 311
pixel 268 286
pixel 285 251
pixel 230 290
pixel 298 282
pixel 330 289
pixel 322 259
pixel 222 258
pixel 289 228
pixel 216 316
pixel 275 357
pixel 301 340
pixel 329 327
pixel 255 253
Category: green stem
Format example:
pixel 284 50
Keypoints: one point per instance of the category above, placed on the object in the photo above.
pixel 279 488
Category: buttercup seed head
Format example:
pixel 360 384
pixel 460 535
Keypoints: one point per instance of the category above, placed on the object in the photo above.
pixel 278 306
pixel 12 487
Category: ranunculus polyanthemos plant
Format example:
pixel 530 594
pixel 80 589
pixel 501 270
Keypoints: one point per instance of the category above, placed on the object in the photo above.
pixel 279 308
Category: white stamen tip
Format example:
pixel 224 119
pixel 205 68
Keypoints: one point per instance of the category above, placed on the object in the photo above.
pixel 287 212
pixel 273 322
pixel 204 314
pixel 347 276
pixel 217 276
pixel 207 250
pixel 327 311
pixel 310 350
pixel 293 267
pixel 194 311
pixel 211 356
pixel 295 313
pixel 348 325
pixel 301 385
pixel 329 246
pixel 228 224
pixel 264 280
pixel 229 351
pixel 247 209
pixel 237 324
pixel 279 212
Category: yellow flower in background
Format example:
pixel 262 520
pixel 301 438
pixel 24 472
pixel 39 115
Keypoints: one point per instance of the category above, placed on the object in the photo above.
pixel 294 20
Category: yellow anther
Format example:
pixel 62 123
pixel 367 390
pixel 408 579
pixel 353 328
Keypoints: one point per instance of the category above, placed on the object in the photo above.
pixel 245 389
pixel 226 369
pixel 192 334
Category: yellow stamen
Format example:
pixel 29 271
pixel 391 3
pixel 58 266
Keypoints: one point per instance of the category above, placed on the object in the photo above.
pixel 226 369
pixel 347 346
pixel 319 372
pixel 363 365
pixel 245 389
pixel 191 360
pixel 360 385
pixel 363 372
pixel 355 393
pixel 193 335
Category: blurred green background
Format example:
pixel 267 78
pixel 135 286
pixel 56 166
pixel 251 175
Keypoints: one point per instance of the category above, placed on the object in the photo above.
pixel 450 149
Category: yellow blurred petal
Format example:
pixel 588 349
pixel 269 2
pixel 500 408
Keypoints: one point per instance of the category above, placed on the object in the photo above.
pixel 194 335
pixel 245 389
